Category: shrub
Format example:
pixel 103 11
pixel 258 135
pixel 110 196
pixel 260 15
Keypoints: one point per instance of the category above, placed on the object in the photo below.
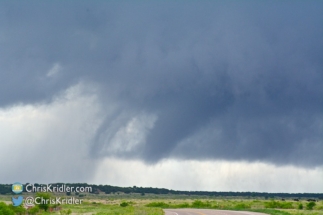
pixel 272 204
pixel 242 206
pixel 158 205
pixel 17 210
pixel 44 204
pixel 5 210
pixel 275 204
pixel 310 205
pixel 286 205
pixel 124 204
pixel 183 205
pixel 33 210
pixel 66 212
pixel 200 204
pixel 300 206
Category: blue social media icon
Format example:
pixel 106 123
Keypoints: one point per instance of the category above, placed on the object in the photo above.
pixel 17 201
pixel 17 188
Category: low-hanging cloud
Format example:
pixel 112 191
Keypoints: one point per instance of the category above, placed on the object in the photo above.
pixel 210 81
pixel 48 142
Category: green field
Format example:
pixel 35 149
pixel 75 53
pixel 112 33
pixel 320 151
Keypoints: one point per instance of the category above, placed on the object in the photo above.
pixel 153 205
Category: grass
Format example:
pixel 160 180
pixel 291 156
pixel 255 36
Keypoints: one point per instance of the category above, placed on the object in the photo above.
pixel 271 207
pixel 97 208
pixel 270 211
pixel 153 205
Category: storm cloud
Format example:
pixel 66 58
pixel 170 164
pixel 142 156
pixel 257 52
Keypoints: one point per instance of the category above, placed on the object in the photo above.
pixel 187 80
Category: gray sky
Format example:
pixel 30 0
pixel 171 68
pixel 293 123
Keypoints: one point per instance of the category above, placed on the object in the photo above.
pixel 105 86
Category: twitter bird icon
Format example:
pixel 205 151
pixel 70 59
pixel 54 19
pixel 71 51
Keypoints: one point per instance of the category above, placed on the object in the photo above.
pixel 17 201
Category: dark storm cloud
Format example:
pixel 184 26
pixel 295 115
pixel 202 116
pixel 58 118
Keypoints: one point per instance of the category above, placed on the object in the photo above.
pixel 238 81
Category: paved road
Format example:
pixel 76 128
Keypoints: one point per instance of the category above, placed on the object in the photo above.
pixel 207 212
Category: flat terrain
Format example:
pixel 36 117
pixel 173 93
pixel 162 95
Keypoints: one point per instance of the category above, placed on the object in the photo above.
pixel 207 212
pixel 180 205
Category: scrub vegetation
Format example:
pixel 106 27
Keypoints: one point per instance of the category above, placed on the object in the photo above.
pixel 273 207
pixel 119 204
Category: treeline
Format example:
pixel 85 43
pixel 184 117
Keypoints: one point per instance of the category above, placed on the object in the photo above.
pixel 108 189
pixel 5 189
